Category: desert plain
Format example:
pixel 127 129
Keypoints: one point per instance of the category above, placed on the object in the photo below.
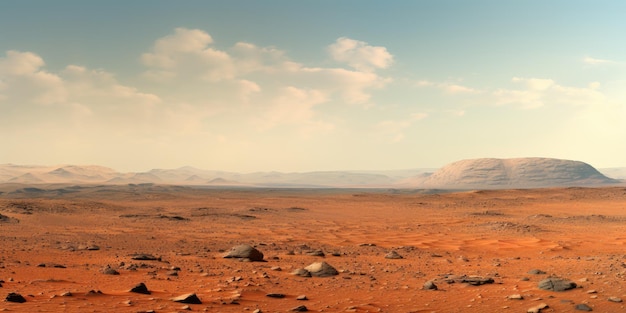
pixel 74 249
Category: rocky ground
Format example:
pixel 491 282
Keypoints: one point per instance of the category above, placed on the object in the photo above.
pixel 146 248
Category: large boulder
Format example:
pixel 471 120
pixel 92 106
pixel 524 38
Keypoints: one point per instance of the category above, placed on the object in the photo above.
pixel 245 252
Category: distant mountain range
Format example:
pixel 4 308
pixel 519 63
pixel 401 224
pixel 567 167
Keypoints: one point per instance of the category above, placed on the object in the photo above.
pixel 465 174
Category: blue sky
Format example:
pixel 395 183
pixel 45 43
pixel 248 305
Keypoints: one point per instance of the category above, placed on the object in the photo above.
pixel 310 85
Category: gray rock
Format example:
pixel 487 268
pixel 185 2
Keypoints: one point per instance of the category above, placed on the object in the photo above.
pixel 556 284
pixel 109 271
pixel 321 269
pixel 141 288
pixel 300 308
pixel 536 272
pixel 429 285
pixel 144 257
pixel 301 272
pixel 472 280
pixel 189 298
pixel 537 308
pixel 583 307
pixel 316 253
pixel 275 295
pixel 15 297
pixel 245 252
pixel 393 255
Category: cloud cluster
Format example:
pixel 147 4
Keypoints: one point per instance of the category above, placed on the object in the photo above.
pixel 186 72
pixel 360 55
pixel 538 92
pixel 68 97
pixel 194 94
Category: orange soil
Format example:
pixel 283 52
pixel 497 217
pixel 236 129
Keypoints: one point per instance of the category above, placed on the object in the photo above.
pixel 575 233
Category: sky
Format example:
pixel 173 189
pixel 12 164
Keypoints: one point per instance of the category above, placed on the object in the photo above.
pixel 297 86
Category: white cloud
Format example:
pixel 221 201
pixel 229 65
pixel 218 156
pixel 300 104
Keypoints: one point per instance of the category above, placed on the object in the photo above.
pixel 186 53
pixel 73 96
pixel 539 92
pixel 594 61
pixel 190 92
pixel 450 88
pixel 394 130
pixel 456 112
pixel 534 83
pixel 20 63
pixel 292 106
pixel 265 69
pixel 360 55
pixel 24 80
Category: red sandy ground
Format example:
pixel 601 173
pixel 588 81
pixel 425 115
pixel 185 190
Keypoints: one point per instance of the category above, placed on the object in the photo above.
pixel 573 233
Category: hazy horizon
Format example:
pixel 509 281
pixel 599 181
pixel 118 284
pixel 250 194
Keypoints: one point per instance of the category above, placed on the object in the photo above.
pixel 250 86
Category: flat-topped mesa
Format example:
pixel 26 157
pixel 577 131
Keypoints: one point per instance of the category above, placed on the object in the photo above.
pixel 490 173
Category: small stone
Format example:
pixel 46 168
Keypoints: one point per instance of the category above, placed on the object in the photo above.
pixel 615 299
pixel 245 252
pixel 301 272
pixel 583 307
pixel 316 253
pixel 537 308
pixel 66 294
pixel 592 291
pixel 144 257
pixel 15 297
pixel 536 272
pixel 109 271
pixel 93 293
pixel 321 269
pixel 275 295
pixel 300 308
pixel 276 268
pixel 186 307
pixel 189 298
pixel 140 288
pixel 429 285
pixel 556 284
pixel 515 297
pixel 302 298
pixel 393 255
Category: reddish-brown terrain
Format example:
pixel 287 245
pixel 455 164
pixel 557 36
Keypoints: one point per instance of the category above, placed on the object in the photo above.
pixel 573 233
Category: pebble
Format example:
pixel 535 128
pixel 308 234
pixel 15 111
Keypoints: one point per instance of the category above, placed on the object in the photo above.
pixel 537 308
pixel 583 307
